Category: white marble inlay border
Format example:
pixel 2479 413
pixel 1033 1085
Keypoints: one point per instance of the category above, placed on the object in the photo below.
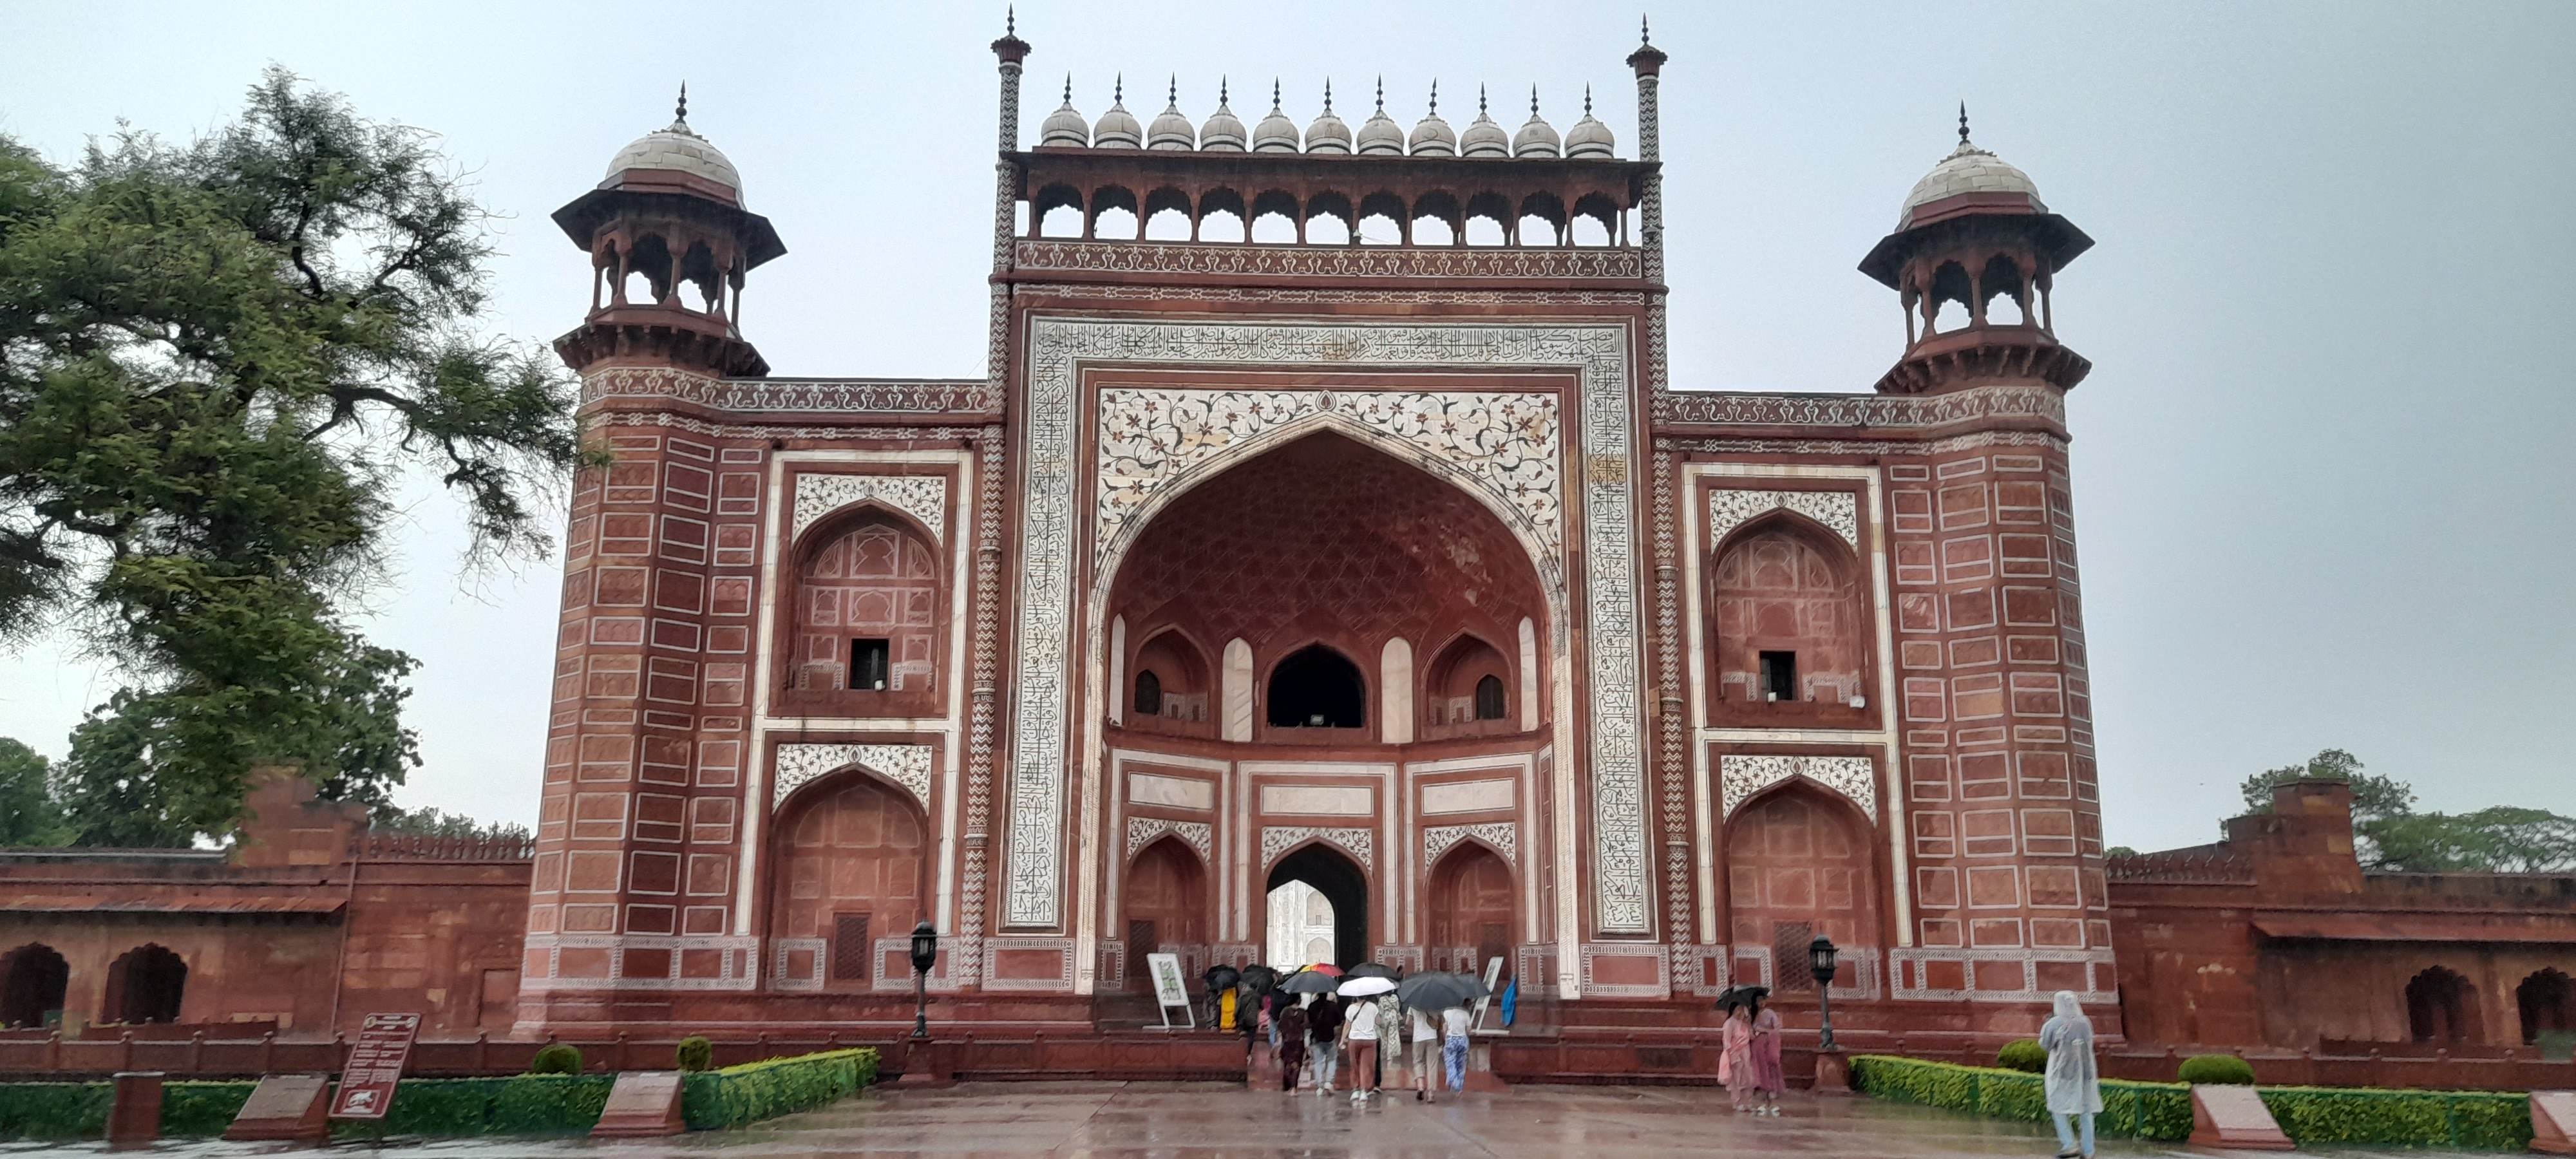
pixel 907 765
pixel 1051 522
pixel 924 497
pixel 1729 508
pixel 1741 776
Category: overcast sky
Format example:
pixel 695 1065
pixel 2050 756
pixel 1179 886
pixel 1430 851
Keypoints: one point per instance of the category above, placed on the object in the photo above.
pixel 2321 467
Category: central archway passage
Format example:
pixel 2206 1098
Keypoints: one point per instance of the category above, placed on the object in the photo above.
pixel 1343 885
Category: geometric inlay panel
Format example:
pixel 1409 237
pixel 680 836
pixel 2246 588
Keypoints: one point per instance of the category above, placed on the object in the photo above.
pixel 1141 831
pixel 1359 843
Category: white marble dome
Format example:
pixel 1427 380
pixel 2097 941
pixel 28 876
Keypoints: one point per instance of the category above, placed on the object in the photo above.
pixel 1968 169
pixel 1433 137
pixel 678 150
pixel 1117 128
pixel 1537 138
pixel 1483 137
pixel 1066 127
pixel 1328 134
pixel 1276 133
pixel 1589 137
pixel 1172 129
pixel 1222 133
pixel 1381 135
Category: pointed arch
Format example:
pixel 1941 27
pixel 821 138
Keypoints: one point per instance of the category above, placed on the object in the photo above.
pixel 851 867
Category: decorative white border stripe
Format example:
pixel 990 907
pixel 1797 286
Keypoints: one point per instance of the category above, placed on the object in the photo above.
pixel 1052 522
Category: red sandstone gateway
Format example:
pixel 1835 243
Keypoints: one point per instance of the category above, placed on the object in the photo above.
pixel 1363 594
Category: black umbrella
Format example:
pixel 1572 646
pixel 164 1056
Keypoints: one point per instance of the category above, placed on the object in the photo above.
pixel 1369 970
pixel 1260 978
pixel 1440 990
pixel 1310 982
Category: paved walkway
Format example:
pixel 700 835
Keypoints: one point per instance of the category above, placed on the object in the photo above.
pixel 1222 1120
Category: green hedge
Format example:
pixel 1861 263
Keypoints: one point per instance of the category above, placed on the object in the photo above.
pixel 54 1110
pixel 197 1109
pixel 736 1095
pixel 2492 1120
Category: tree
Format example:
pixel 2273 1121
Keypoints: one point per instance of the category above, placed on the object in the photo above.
pixel 2390 836
pixel 430 822
pixel 28 814
pixel 215 361
pixel 2373 797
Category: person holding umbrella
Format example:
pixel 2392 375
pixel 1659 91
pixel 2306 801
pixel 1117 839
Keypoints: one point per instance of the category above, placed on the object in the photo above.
pixel 1324 1040
pixel 1426 1055
pixel 1360 1031
pixel 1449 993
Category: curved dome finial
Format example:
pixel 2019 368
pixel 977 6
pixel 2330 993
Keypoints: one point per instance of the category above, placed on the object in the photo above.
pixel 1963 122
pixel 680 115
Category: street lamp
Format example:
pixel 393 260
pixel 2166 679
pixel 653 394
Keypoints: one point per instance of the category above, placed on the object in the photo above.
pixel 1820 962
pixel 925 953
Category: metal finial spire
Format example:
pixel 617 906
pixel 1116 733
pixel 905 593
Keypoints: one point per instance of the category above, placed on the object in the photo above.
pixel 1011 20
pixel 1533 101
pixel 1480 100
pixel 1274 94
pixel 1381 94
pixel 1118 91
pixel 1173 97
pixel 1328 94
pixel 681 114
pixel 1220 90
pixel 1587 100
pixel 1642 38
pixel 1963 122
pixel 1435 96
pixel 1068 88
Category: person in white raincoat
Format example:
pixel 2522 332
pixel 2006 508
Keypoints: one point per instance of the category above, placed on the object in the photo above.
pixel 2074 1083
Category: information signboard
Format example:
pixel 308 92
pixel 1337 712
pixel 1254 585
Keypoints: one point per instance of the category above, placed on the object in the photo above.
pixel 375 1066
pixel 1170 990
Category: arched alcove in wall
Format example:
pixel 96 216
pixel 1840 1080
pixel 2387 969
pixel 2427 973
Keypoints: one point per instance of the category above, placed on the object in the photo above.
pixel 852 865
pixel 1325 540
pixel 148 983
pixel 1799 863
pixel 1472 907
pixel 863 618
pixel 1163 903
pixel 1469 689
pixel 33 981
pixel 2442 1006
pixel 1170 686
pixel 1790 630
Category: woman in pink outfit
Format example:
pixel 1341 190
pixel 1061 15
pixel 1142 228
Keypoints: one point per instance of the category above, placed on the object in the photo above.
pixel 1735 1059
pixel 1768 1082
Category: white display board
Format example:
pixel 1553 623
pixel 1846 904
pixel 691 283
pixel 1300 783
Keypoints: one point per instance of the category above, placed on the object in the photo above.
pixel 1493 982
pixel 1170 990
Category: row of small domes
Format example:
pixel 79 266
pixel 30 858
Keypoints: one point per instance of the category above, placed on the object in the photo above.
pixel 1379 135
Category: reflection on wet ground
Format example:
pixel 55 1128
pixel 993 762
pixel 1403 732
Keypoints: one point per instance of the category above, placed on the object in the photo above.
pixel 1214 1119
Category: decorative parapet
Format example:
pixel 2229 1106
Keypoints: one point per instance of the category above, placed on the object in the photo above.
pixel 1884 411
pixel 1282 261
pixel 426 847
pixel 945 398
pixel 2172 868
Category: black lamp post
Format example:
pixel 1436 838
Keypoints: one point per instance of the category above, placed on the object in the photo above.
pixel 1820 962
pixel 925 954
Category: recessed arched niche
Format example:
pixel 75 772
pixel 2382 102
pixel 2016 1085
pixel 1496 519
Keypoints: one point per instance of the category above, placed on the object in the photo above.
pixel 1170 686
pixel 862 619
pixel 1316 555
pixel 1470 689
pixel 1789 639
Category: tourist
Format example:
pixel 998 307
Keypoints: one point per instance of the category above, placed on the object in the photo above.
pixel 1453 1045
pixel 1288 1037
pixel 1426 1057
pixel 1360 1030
pixel 2074 1086
pixel 1768 1081
pixel 1323 1039
pixel 1735 1057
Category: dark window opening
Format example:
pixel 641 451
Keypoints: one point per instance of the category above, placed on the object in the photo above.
pixel 147 984
pixel 850 954
pixel 1149 694
pixel 31 995
pixel 1317 688
pixel 1780 676
pixel 1489 698
pixel 2441 1006
pixel 869 662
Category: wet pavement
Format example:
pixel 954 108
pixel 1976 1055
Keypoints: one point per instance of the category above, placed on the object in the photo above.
pixel 1218 1119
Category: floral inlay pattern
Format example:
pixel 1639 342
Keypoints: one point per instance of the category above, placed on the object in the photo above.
pixel 1359 843
pixel 1142 831
pixel 1502 835
pixel 1740 777
pixel 1729 509
pixel 924 497
pixel 907 765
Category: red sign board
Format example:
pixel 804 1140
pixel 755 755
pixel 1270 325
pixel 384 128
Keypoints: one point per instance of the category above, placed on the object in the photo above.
pixel 375 1065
